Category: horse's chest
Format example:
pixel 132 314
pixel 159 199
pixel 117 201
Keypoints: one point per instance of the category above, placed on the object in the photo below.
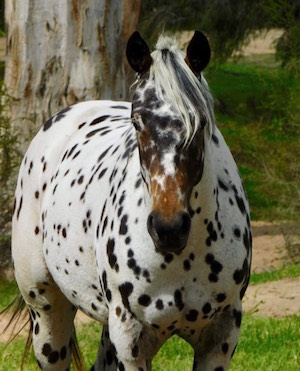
pixel 182 293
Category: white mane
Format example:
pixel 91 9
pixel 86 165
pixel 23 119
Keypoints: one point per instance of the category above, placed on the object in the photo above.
pixel 176 85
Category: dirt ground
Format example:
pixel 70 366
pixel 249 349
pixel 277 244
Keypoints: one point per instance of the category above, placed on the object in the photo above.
pixel 277 298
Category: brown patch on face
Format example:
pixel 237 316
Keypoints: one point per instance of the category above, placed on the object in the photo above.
pixel 170 194
pixel 167 199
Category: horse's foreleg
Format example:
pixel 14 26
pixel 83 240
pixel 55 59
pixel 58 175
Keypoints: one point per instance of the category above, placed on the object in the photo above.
pixel 51 313
pixel 125 344
pixel 217 343
pixel 53 332
pixel 106 358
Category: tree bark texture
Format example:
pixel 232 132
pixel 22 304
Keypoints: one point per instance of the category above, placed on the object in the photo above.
pixel 60 52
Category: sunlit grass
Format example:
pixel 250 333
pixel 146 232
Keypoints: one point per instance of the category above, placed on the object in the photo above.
pixel 268 344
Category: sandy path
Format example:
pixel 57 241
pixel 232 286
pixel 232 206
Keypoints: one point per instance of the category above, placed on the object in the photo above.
pixel 278 298
pixel 274 299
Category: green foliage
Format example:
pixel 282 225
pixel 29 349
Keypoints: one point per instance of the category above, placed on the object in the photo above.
pixel 228 23
pixel 285 14
pixel 2 17
pixel 9 160
pixel 258 112
pixel 2 68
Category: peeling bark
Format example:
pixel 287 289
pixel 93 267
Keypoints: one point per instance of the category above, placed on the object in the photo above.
pixel 62 52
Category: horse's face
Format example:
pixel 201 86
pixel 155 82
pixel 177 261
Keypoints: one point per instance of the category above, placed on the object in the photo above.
pixel 170 170
pixel 171 160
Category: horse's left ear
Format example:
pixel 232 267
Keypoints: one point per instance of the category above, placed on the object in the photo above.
pixel 198 53
pixel 138 53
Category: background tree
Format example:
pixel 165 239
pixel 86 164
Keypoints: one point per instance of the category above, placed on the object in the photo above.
pixel 2 18
pixel 62 52
pixel 285 14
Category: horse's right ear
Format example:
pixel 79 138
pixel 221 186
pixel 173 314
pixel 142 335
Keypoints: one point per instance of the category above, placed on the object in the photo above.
pixel 138 54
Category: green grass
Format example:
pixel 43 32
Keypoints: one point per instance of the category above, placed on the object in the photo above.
pixel 89 336
pixel 175 355
pixel 9 290
pixel 10 358
pixel 250 91
pixel 289 271
pixel 266 344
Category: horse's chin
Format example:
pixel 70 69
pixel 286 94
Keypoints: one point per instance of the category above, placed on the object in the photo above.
pixel 164 249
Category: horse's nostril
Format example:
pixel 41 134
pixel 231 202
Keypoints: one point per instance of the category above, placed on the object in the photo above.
pixel 150 222
pixel 156 225
pixel 185 223
pixel 169 234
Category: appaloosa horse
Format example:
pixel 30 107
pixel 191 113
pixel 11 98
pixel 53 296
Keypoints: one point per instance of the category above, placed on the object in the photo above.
pixel 135 214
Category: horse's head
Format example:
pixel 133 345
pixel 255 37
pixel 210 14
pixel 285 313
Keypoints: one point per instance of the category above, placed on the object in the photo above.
pixel 171 110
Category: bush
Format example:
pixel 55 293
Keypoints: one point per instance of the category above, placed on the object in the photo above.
pixel 9 161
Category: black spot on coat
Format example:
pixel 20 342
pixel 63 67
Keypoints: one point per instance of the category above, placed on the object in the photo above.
pixel 192 315
pixel 126 290
pixel 123 226
pixel 178 300
pixel 99 119
pixel 144 300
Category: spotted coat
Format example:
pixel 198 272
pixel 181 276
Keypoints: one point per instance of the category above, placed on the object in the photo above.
pixel 107 221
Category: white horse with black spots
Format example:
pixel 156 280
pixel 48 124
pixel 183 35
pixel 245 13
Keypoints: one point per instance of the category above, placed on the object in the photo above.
pixel 135 214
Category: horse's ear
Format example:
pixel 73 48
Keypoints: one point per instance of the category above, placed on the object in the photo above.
pixel 198 53
pixel 138 53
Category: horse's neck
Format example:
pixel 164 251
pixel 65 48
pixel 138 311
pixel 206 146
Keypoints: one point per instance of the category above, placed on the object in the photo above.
pixel 207 187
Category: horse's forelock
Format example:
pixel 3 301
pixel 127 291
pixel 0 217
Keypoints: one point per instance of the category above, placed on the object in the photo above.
pixel 177 86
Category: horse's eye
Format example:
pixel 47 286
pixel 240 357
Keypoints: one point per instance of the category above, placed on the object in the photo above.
pixel 136 121
pixel 180 146
pixel 204 122
pixel 136 124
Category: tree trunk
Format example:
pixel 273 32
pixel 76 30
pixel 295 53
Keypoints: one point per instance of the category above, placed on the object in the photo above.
pixel 60 52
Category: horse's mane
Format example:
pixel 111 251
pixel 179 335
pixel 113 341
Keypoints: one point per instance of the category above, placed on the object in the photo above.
pixel 176 85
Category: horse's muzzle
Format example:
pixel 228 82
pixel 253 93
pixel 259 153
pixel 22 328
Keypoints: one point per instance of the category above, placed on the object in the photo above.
pixel 169 235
